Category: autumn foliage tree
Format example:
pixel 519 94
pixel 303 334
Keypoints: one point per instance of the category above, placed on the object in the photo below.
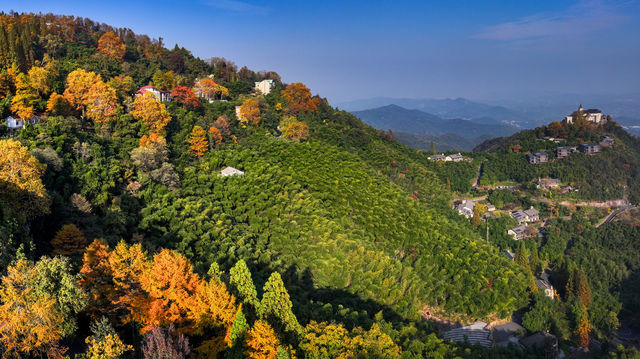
pixel 57 105
pixel 171 285
pixel 299 99
pixel 22 104
pixel 198 144
pixel 79 82
pixel 97 278
pixel 209 89
pixel 297 131
pixel 250 112
pixel 186 97
pixel 102 103
pixel 215 137
pixel 30 321
pixel 111 46
pixel 164 81
pixel 69 241
pixel 262 342
pixel 20 183
pixel 152 112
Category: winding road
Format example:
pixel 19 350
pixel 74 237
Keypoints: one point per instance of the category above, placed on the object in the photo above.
pixel 613 214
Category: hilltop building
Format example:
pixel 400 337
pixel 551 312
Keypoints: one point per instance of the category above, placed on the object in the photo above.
pixel 606 141
pixel 538 157
pixel 519 232
pixel 160 95
pixel 466 207
pixel 529 215
pixel 543 283
pixel 264 86
pixel 548 183
pixel 563 151
pixel 589 148
pixel 591 115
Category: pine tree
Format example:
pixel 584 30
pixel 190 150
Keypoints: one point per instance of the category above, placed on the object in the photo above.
pixel 432 148
pixel 582 289
pixel 198 142
pixel 241 285
pixel 276 305
pixel 69 241
pixel 534 262
pixel 522 256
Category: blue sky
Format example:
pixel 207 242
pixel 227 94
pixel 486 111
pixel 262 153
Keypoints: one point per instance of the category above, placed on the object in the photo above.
pixel 352 49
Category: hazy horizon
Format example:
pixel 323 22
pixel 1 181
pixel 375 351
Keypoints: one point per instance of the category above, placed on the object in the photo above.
pixel 357 50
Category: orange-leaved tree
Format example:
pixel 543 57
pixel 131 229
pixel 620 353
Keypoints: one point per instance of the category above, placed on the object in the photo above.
pixel 22 104
pixel 299 99
pixel 59 106
pixel 102 103
pixel 171 285
pixel 215 136
pixel 198 142
pixel 152 112
pixel 111 46
pixel 69 241
pixel 262 342
pixel 186 97
pixel 97 278
pixel 297 131
pixel 79 82
pixel 250 112
pixel 128 265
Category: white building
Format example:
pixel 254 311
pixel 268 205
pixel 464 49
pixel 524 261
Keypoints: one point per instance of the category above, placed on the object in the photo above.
pixel 466 207
pixel 160 95
pixel 264 86
pixel 591 115
pixel 14 123
pixel 518 232
pixel 456 157
pixel 230 171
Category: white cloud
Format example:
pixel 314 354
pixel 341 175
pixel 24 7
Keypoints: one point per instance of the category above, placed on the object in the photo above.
pixel 583 18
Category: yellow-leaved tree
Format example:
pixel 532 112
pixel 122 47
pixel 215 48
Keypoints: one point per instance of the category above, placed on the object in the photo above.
pixel 111 46
pixel 198 144
pixel 250 112
pixel 262 342
pixel 29 321
pixel 20 182
pixel 152 112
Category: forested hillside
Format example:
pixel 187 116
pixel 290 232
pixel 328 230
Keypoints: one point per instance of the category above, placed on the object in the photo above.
pixel 611 174
pixel 120 237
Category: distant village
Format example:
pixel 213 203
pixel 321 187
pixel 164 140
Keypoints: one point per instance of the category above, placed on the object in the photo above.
pixel 590 115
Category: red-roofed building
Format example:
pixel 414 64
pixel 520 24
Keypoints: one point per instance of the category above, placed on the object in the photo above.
pixel 160 95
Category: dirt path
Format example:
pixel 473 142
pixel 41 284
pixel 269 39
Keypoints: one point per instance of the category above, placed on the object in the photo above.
pixel 612 203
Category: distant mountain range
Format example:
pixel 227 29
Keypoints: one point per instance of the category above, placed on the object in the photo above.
pixel 525 113
pixel 418 129
pixel 447 108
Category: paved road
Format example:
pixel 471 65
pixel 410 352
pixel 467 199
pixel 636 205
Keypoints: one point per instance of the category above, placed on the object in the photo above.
pixel 613 214
pixel 477 182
